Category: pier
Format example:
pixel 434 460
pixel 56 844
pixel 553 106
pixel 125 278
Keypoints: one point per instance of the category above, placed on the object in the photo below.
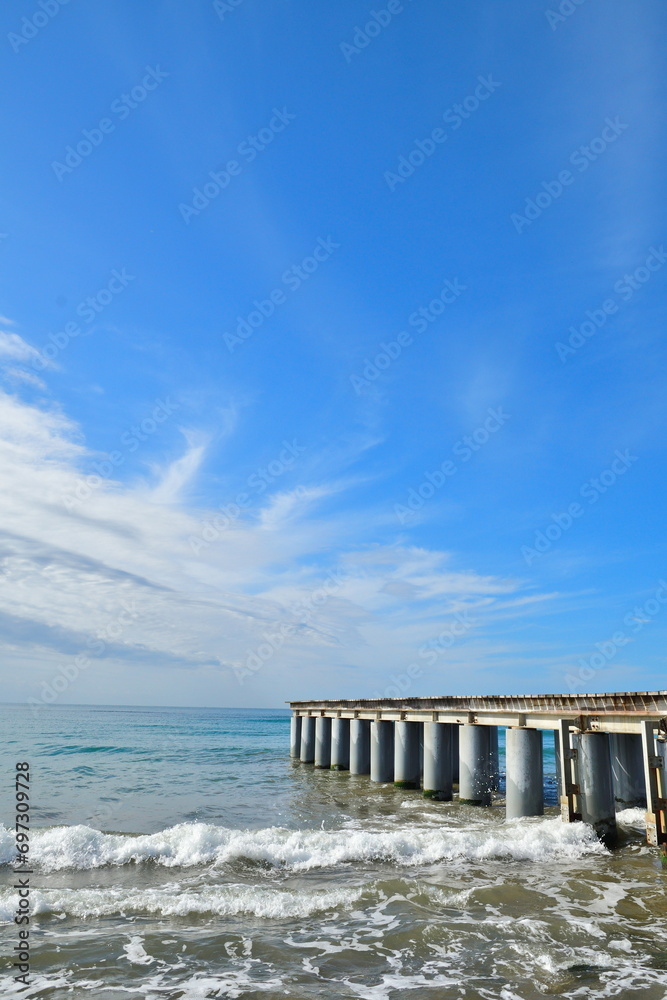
pixel 611 750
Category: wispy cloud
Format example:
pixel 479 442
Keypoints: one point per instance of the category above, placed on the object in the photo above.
pixel 66 573
pixel 14 347
pixel 179 474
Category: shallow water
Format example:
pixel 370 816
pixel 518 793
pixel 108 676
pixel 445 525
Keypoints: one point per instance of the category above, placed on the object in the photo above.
pixel 179 853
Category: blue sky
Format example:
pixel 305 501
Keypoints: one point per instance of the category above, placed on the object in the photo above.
pixel 332 349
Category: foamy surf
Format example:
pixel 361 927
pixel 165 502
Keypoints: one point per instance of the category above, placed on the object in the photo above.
pixel 175 900
pixel 189 844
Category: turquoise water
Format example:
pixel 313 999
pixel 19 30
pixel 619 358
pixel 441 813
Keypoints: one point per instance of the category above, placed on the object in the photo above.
pixel 180 853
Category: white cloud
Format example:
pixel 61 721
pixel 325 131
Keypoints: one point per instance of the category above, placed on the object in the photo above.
pixel 179 474
pixel 15 347
pixel 69 572
pixel 21 375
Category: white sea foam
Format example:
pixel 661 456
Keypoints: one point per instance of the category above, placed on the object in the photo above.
pixel 190 844
pixel 235 984
pixel 135 952
pixel 632 817
pixel 175 901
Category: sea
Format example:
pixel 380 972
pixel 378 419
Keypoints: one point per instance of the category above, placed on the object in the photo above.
pixel 181 853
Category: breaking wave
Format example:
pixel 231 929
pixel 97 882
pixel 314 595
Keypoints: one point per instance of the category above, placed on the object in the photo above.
pixel 190 844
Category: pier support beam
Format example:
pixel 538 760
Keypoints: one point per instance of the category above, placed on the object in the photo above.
pixel 295 736
pixel 322 742
pixel 340 744
pixel 382 750
pixel 524 794
pixel 407 770
pixel 568 786
pixel 627 765
pixel 360 746
pixel 596 784
pixel 438 769
pixel 655 762
pixel 307 754
pixel 475 765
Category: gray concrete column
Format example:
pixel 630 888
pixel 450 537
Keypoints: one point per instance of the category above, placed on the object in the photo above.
pixel 382 751
pixel 340 744
pixel 597 784
pixel 456 730
pixel 407 771
pixel 307 739
pixel 360 746
pixel 295 736
pixel 322 742
pixel 438 741
pixel 524 794
pixel 627 768
pixel 475 765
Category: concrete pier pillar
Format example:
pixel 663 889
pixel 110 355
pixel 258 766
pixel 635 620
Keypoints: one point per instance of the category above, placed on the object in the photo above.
pixel 360 746
pixel 407 769
pixel 322 742
pixel 340 744
pixel 307 754
pixel 382 750
pixel 597 784
pixel 475 765
pixel 439 738
pixel 524 794
pixel 456 729
pixel 627 766
pixel 295 736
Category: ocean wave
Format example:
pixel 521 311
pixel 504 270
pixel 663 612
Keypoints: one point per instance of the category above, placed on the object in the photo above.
pixel 178 901
pixel 632 817
pixel 189 844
